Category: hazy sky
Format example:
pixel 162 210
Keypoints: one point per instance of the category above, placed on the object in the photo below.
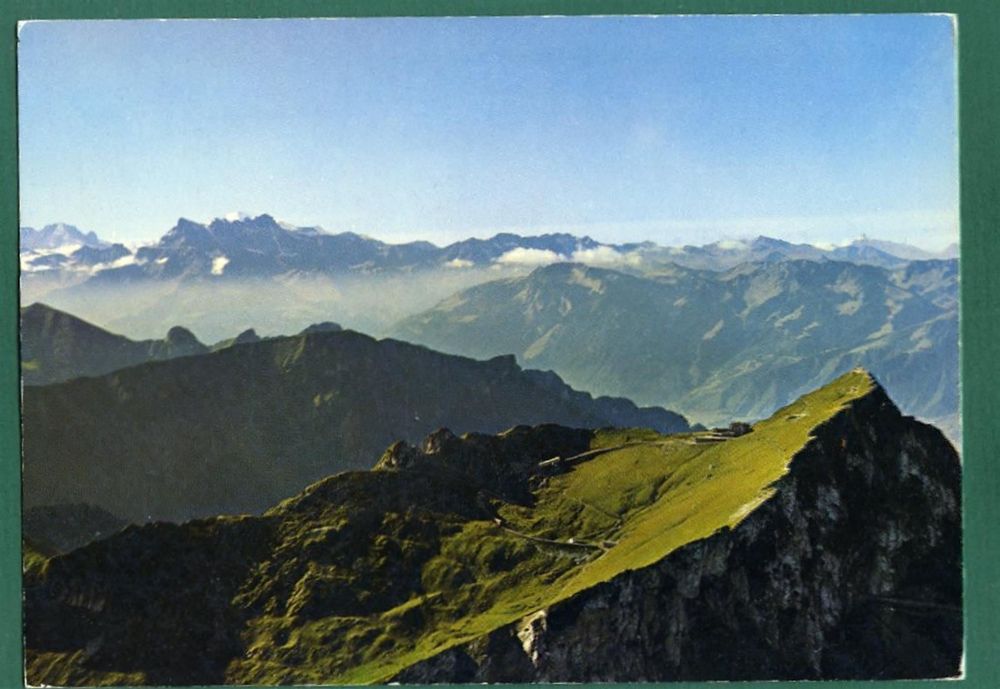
pixel 626 128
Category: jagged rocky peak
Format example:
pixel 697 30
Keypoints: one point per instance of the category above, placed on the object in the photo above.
pixel 402 455
pixel 438 441
pixel 184 225
pixel 510 456
pixel 324 327
pixel 57 235
pixel 91 254
pixel 185 233
pixel 248 336
pixel 264 220
pixel 181 336
pixel 399 455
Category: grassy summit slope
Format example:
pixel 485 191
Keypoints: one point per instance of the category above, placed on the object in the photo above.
pixel 639 497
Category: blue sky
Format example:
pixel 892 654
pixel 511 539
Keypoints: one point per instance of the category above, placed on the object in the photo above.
pixel 675 129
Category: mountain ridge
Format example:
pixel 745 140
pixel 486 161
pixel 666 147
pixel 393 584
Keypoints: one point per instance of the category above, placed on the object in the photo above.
pixel 57 235
pixel 735 344
pixel 476 558
pixel 233 430
pixel 262 246
pixel 57 346
pixel 581 639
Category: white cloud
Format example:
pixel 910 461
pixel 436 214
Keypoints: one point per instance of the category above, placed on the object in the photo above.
pixel 26 267
pixel 830 246
pixel 731 244
pixel 65 250
pixel 530 257
pixel 219 264
pixel 121 262
pixel 600 255
pixel 458 263
pixel 605 256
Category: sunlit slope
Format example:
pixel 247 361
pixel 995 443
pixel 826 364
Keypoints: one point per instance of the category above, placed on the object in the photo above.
pixel 624 508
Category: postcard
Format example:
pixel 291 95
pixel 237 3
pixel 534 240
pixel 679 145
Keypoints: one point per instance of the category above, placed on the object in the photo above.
pixel 490 350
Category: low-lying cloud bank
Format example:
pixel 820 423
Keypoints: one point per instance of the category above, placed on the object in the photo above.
pixel 601 256
pixel 530 257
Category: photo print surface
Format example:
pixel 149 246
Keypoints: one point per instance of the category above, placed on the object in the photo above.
pixel 469 349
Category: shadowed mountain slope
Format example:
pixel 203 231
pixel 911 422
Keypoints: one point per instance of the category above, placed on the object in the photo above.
pixel 56 529
pixel 235 430
pixel 57 346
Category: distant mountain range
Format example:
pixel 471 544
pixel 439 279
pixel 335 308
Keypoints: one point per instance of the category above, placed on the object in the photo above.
pixel 718 345
pixel 235 430
pixel 243 247
pixel 58 236
pixel 240 272
pixel 726 254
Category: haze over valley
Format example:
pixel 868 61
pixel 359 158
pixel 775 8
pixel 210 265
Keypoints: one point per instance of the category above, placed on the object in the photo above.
pixel 728 329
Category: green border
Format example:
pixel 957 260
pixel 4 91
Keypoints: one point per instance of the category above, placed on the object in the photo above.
pixel 979 69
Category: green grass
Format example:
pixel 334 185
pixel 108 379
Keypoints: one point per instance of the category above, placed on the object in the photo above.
pixel 642 499
pixel 32 560
pixel 67 667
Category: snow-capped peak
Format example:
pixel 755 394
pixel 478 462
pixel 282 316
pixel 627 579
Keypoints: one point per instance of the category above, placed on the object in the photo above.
pixel 290 227
pixel 236 216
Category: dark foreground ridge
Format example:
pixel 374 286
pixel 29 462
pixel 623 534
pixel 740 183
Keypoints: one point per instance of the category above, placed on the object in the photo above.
pixel 823 544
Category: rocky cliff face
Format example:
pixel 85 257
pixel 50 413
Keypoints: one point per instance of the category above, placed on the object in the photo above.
pixel 851 570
